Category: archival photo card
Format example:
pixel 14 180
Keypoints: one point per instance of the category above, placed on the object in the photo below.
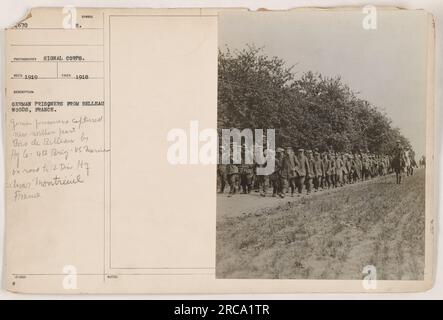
pixel 216 151
pixel 322 127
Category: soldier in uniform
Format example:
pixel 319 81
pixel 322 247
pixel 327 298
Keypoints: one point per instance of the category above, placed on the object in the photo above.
pixel 369 164
pixel 325 178
pixel 407 161
pixel 331 170
pixel 233 178
pixel 357 167
pixel 360 158
pixel 365 166
pixel 423 162
pixel 381 165
pixel 413 163
pixel 246 177
pixel 351 170
pixel 263 180
pixel 301 170
pixel 282 173
pixel 348 168
pixel 222 178
pixel 275 176
pixel 309 172
pixel 338 170
pixel 398 161
pixel 317 166
pixel 388 164
pixel 290 164
pixel 375 165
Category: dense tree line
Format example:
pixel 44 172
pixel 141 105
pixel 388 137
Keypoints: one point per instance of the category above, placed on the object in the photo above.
pixel 311 111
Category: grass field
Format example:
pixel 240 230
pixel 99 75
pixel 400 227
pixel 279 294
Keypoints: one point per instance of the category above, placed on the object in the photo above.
pixel 331 235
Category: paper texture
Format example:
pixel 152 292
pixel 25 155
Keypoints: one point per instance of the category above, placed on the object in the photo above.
pixel 93 205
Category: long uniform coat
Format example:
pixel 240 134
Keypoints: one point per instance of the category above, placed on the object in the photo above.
pixel 303 166
pixel 349 167
pixel 310 173
pixel 339 169
pixel 399 161
pixel 331 167
pixel 317 165
pixel 290 164
pixel 358 166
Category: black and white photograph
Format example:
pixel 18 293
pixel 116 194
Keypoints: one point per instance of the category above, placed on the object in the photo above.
pixel 217 153
pixel 344 93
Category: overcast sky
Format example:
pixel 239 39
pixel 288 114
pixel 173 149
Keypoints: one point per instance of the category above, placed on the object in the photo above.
pixel 387 66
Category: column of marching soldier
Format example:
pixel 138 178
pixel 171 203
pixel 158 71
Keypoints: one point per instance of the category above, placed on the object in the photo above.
pixel 311 170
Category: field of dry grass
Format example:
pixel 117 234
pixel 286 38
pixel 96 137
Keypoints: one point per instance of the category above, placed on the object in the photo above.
pixel 331 235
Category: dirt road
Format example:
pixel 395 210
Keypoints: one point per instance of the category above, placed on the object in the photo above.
pixel 241 204
pixel 328 235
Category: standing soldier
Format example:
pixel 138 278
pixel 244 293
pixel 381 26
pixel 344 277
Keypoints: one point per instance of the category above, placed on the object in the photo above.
pixel 233 178
pixel 301 170
pixel 381 165
pixel 352 166
pixel 246 177
pixel 423 161
pixel 387 161
pixel 398 161
pixel 348 168
pixel 358 167
pixel 375 165
pixel 283 173
pixel 309 172
pixel 339 170
pixel 290 164
pixel 275 176
pixel 263 180
pixel 344 158
pixel 407 161
pixel 365 168
pixel 369 166
pixel 372 165
pixel 413 164
pixel 222 178
pixel 325 178
pixel 317 165
pixel 388 169
pixel 331 172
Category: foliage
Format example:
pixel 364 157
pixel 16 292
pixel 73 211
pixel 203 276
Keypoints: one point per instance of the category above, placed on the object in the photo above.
pixel 312 111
